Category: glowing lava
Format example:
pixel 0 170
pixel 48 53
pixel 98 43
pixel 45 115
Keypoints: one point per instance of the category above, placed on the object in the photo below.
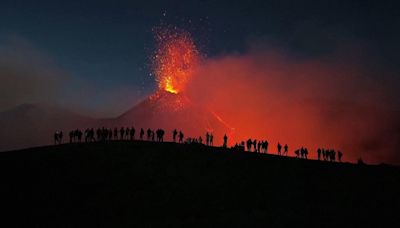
pixel 175 58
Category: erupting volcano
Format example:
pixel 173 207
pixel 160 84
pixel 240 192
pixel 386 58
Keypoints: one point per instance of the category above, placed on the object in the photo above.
pixel 175 59
pixel 174 62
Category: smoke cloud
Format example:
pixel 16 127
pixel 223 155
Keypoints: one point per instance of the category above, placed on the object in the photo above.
pixel 328 102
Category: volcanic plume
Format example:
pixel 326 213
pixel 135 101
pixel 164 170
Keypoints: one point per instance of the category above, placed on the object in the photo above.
pixel 175 59
pixel 174 62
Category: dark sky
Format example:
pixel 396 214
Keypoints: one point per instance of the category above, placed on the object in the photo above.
pixel 103 47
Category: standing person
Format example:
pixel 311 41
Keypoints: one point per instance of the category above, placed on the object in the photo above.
pixel 248 144
pixel 207 139
pixel 60 137
pixel 211 140
pixel 225 141
pixel 319 153
pixel 148 134
pixel 266 147
pixel 132 133
pixel 122 132
pixel 340 154
pixel 174 133
pixel 141 133
pixel 285 151
pixel 55 137
pixel 279 148
pixel 180 137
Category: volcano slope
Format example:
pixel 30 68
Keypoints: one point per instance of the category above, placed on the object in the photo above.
pixel 145 184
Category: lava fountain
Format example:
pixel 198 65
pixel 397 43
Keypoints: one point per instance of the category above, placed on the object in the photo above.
pixel 175 59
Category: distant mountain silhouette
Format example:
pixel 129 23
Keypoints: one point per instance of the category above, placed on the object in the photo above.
pixel 30 125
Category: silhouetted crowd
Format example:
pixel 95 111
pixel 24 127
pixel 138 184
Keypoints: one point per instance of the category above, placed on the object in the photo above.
pixel 329 155
pixel 128 133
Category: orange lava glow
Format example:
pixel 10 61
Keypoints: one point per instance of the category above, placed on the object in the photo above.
pixel 175 59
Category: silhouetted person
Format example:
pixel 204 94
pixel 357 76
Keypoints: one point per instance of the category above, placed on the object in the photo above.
pixel 285 149
pixel 152 136
pixel 79 134
pixel 340 155
pixel 55 137
pixel 248 144
pixel 306 153
pixel 324 154
pixel 60 137
pixel 255 145
pixel 302 152
pixel 259 146
pixel 319 153
pixel 180 137
pixel 132 133
pixel 279 148
pixel 225 141
pixel 174 134
pixel 266 146
pixel 148 134
pixel 122 132
pixel 200 140
pixel 207 139
pixel 141 133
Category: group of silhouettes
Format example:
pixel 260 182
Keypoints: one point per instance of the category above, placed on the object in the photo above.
pixel 128 133
pixel 329 155
pixel 107 134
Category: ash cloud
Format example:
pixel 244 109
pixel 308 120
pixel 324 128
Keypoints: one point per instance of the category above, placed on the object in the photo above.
pixel 333 101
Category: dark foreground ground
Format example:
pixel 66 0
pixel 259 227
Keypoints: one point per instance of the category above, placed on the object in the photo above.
pixel 142 184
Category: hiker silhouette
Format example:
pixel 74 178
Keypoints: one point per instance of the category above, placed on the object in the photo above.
pixel 249 143
pixel 285 150
pixel 266 146
pixel 160 135
pixel 174 134
pixel 340 154
pixel 180 137
pixel 279 148
pixel 148 134
pixel 132 133
pixel 319 153
pixel 225 141
pixel 141 133
pixel 122 132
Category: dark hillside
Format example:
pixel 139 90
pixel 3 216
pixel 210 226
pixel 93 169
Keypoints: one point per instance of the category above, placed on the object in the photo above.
pixel 142 184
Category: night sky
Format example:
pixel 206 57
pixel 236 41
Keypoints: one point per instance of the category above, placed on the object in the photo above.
pixel 101 47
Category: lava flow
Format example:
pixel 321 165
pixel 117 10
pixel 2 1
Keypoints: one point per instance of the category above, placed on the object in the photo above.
pixel 175 59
